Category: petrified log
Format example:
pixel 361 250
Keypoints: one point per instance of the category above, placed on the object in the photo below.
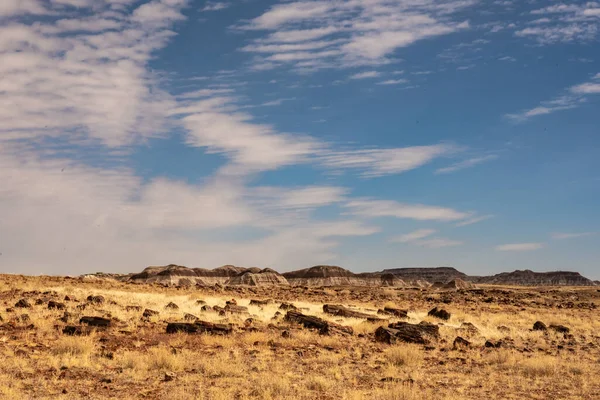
pixel 342 311
pixel 396 312
pixel 311 322
pixel 235 309
pixel 408 333
pixel 256 302
pixel 199 327
pixel 149 313
pixel 439 313
pixel 95 321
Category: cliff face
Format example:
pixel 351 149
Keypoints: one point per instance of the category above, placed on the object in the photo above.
pixel 265 277
pixel 530 278
pixel 179 275
pixel 433 275
pixel 327 275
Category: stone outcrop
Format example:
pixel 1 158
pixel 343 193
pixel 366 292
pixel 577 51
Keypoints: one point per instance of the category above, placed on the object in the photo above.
pixel 178 275
pixel 530 278
pixel 258 277
pixel 433 275
pixel 440 278
pixel 329 275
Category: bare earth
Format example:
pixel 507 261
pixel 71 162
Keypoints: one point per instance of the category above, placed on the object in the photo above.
pixel 48 351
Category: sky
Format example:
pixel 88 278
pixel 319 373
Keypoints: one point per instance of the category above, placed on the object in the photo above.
pixel 368 134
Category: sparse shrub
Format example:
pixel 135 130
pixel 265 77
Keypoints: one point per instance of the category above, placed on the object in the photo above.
pixel 400 356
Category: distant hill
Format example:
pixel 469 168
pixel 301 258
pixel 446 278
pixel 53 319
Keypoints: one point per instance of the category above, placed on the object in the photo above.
pixel 330 275
pixel 433 275
pixel 530 278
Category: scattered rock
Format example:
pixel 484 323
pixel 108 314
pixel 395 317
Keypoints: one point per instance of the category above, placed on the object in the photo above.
pixel 231 302
pixel 66 317
pixel 342 311
pixel 408 333
pixel 559 328
pixel 171 306
pixel 255 302
pixel 398 313
pixel 439 313
pixel 490 344
pixel 235 309
pixel 286 334
pixel 206 308
pixel 200 302
pixel 311 322
pixel 504 329
pixel 149 313
pixel 53 305
pixel 540 326
pixel 469 328
pixel 170 376
pixel 287 306
pixel 23 303
pixel 190 317
pixel 95 321
pixel 460 343
pixel 95 299
pixel 133 308
pixel 199 327
pixel 24 318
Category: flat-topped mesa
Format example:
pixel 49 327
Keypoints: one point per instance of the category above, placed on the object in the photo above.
pixel 329 275
pixel 531 278
pixel 433 275
pixel 258 277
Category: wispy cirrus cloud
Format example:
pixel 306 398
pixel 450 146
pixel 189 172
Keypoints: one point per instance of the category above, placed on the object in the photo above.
pixel 575 96
pixel 366 33
pixel 474 220
pixel 561 236
pixel 215 6
pixel 393 82
pixel 412 236
pixel 379 162
pixel 563 23
pixel 520 247
pixel 365 75
pixel 388 208
pixel 471 162
pixel 421 237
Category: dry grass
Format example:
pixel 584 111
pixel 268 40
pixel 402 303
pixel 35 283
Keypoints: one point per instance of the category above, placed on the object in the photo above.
pixel 130 360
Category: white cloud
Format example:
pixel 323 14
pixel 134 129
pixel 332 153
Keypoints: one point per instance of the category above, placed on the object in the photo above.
pixel 367 32
pixel 300 35
pixel 561 236
pixel 466 164
pixel 436 243
pixel 217 125
pixel 576 96
pixel 82 219
pixel 393 82
pixel 419 236
pixel 215 6
pixel 388 208
pixel 564 23
pixel 9 8
pixel 365 75
pixel 90 85
pixel 586 88
pixel 474 220
pixel 299 11
pixel 410 237
pixel 379 162
pixel 520 247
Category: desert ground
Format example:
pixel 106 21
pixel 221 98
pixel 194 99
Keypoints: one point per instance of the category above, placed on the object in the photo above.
pixel 257 347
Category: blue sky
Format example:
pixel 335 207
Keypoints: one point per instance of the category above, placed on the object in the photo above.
pixel 369 134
